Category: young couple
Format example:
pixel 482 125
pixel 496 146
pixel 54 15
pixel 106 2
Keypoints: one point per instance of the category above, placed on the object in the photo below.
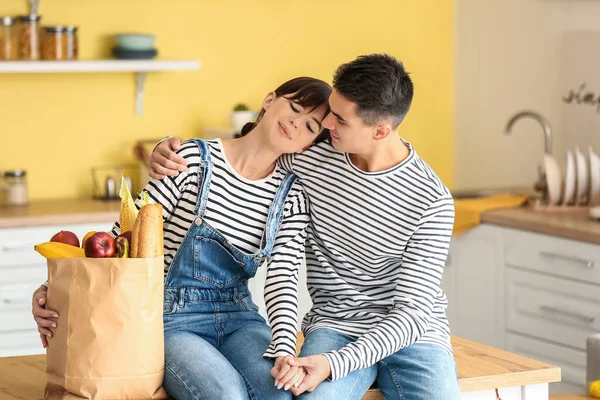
pixel 371 218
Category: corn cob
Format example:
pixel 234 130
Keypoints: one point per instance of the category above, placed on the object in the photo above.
pixel 128 210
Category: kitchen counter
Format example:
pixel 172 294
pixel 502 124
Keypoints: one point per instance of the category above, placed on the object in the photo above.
pixel 481 369
pixel 574 224
pixel 59 212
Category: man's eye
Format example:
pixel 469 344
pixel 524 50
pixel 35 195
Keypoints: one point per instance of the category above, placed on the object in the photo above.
pixel 310 128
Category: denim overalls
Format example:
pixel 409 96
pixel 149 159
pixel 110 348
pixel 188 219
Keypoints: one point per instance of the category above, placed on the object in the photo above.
pixel 214 336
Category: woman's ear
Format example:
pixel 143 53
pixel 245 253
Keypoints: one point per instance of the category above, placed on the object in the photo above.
pixel 269 99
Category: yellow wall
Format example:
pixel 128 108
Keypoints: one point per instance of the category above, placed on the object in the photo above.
pixel 57 126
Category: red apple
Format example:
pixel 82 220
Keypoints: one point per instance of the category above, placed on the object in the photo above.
pixel 66 237
pixel 87 235
pixel 99 245
pixel 126 235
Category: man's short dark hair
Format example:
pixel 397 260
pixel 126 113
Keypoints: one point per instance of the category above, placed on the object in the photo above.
pixel 379 85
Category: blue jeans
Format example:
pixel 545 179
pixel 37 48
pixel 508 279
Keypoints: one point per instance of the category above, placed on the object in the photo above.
pixel 418 372
pixel 218 355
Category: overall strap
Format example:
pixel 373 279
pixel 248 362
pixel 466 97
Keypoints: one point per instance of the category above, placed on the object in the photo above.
pixel 276 213
pixel 204 176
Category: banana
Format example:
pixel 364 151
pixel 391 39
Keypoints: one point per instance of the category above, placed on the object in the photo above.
pixel 59 250
pixel 122 245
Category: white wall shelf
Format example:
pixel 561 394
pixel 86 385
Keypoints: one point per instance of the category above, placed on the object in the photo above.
pixel 140 68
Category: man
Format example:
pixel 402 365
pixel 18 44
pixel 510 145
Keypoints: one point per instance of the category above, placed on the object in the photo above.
pixel 381 223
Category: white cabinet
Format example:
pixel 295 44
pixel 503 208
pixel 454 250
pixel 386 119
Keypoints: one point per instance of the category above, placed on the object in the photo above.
pixel 571 361
pixel 555 310
pixel 564 258
pixel 473 284
pixel 22 270
pixel 528 293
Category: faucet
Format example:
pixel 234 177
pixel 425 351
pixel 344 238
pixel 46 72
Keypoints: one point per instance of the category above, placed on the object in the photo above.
pixel 539 118
pixel 541 184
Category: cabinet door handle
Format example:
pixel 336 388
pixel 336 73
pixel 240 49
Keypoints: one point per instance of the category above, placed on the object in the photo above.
pixel 16 301
pixel 576 260
pixel 553 310
pixel 16 247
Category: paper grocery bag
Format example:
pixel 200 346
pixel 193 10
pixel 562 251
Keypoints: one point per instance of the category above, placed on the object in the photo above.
pixel 109 339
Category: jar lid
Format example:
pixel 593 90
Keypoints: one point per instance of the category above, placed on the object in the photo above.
pixel 6 20
pixel 54 29
pixel 26 18
pixel 71 28
pixel 17 173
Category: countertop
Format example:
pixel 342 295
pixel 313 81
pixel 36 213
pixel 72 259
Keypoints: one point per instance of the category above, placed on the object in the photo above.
pixel 571 224
pixel 575 225
pixel 479 368
pixel 59 212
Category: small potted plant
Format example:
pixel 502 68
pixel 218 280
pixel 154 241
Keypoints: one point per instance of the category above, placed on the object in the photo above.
pixel 240 116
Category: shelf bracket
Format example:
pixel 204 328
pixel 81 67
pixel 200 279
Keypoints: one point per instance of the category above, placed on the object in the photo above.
pixel 140 82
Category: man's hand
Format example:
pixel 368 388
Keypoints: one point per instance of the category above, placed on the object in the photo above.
pixel 317 370
pixel 286 373
pixel 164 161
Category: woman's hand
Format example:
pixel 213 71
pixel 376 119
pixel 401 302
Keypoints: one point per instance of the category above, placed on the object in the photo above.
pixel 317 369
pixel 45 319
pixel 286 373
pixel 165 161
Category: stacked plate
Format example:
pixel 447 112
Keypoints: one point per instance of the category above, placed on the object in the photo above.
pixel 134 46
pixel 580 184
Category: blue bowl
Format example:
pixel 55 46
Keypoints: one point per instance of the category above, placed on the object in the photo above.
pixel 135 41
pixel 126 54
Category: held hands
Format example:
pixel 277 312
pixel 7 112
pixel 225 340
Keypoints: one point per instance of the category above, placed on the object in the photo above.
pixel 286 373
pixel 164 161
pixel 308 374
pixel 44 318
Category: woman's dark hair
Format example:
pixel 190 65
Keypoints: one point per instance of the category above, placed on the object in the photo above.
pixel 310 93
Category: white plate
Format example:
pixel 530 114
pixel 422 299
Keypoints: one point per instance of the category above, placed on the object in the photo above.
pixel 582 176
pixel 594 176
pixel 569 179
pixel 553 178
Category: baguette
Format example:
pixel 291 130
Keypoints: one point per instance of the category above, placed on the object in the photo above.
pixel 147 235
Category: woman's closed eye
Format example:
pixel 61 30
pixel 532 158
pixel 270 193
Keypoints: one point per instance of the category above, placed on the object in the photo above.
pixel 297 111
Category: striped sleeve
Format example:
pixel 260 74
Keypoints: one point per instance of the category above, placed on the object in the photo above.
pixel 281 284
pixel 168 190
pixel 414 297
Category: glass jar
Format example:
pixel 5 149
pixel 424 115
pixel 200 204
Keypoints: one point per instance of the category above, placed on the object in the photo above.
pixel 53 43
pixel 28 28
pixel 15 188
pixel 8 41
pixel 71 43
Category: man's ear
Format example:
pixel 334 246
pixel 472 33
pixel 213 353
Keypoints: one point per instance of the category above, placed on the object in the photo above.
pixel 269 99
pixel 382 131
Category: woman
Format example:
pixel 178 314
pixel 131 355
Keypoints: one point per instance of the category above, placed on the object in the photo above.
pixel 232 209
